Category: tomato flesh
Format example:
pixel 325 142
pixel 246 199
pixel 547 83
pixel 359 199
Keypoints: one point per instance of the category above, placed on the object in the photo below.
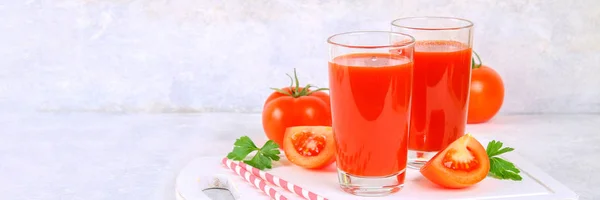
pixel 309 147
pixel 307 143
pixel 462 164
pixel 460 160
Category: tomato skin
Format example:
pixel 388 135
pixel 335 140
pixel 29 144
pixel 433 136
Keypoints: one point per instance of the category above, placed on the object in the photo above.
pixel 486 95
pixel 323 96
pixel 326 156
pixel 282 111
pixel 436 171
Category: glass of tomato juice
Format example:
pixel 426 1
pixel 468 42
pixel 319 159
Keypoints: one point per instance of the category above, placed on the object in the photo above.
pixel 370 77
pixel 442 76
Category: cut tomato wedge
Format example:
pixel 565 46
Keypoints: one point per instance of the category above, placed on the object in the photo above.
pixel 310 147
pixel 462 164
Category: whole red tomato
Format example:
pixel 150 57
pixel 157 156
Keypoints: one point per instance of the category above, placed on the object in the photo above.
pixel 295 106
pixel 487 93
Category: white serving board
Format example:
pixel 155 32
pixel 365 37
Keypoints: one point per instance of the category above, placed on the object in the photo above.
pixel 201 173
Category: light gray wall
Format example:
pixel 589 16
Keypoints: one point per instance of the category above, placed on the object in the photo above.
pixel 195 55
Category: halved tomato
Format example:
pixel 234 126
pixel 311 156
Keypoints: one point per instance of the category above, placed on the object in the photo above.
pixel 462 164
pixel 310 147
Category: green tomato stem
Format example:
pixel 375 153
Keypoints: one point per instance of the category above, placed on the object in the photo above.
pixel 473 65
pixel 291 80
pixel 297 81
pixel 295 87
pixel 281 91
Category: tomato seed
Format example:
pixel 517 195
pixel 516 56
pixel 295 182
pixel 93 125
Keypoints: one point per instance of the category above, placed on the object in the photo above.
pixel 308 144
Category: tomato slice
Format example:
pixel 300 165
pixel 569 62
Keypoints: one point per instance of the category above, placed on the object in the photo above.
pixel 462 164
pixel 310 147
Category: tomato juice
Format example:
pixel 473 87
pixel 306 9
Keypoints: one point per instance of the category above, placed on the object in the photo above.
pixel 442 74
pixel 370 95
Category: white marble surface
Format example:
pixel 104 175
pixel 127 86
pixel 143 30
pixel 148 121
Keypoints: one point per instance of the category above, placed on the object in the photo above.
pixel 91 156
pixel 198 55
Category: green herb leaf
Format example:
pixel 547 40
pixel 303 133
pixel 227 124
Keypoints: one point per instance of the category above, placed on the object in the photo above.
pixel 271 150
pixel 494 148
pixel 263 158
pixel 259 161
pixel 501 168
pixel 243 147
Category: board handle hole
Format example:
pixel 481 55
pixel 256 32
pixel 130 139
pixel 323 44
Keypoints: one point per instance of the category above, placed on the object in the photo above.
pixel 218 187
pixel 218 194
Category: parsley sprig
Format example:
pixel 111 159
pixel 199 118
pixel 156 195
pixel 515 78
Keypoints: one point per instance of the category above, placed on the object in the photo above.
pixel 262 160
pixel 500 168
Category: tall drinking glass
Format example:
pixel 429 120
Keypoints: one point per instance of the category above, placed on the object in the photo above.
pixel 442 75
pixel 370 77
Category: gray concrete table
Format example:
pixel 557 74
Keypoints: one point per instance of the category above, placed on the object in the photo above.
pixel 95 156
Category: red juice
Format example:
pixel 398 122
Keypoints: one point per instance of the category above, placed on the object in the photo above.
pixel 442 75
pixel 370 95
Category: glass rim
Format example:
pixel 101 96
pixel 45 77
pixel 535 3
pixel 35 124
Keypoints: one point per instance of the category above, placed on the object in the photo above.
pixel 469 23
pixel 401 44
